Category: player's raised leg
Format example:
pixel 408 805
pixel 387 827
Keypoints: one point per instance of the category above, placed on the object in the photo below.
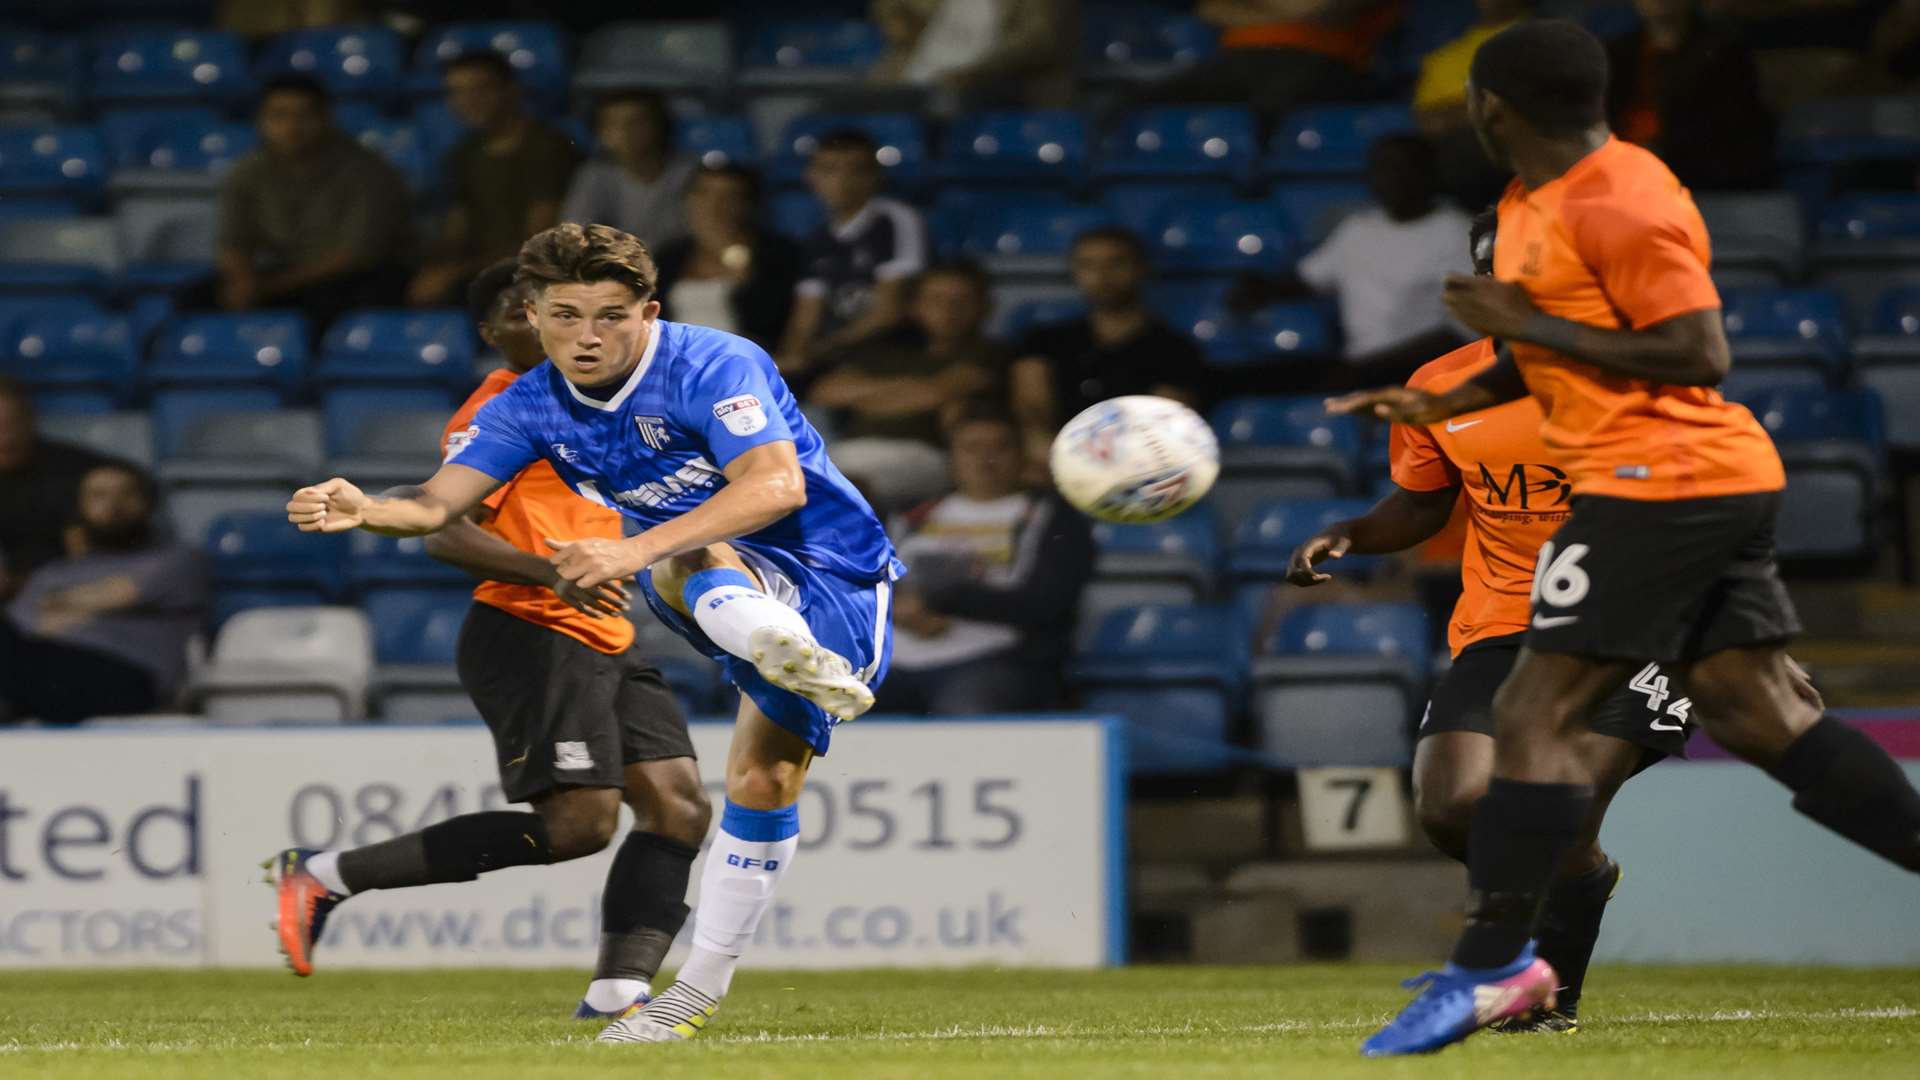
pixel 753 849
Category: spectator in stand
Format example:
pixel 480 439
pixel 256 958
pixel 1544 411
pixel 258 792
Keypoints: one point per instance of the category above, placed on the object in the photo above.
pixel 1384 265
pixel 1118 347
pixel 638 182
pixel 104 630
pixel 981 55
pixel 858 262
pixel 312 219
pixel 895 392
pixel 1687 89
pixel 1276 55
pixel 1440 106
pixel 984 622
pixel 506 178
pixel 38 476
pixel 729 272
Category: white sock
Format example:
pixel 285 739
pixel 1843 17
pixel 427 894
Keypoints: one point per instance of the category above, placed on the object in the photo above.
pixel 326 867
pixel 744 865
pixel 729 607
pixel 612 995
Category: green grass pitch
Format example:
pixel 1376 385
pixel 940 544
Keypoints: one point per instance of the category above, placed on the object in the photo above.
pixel 1642 1023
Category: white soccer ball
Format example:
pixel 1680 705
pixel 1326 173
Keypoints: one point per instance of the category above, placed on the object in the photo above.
pixel 1135 459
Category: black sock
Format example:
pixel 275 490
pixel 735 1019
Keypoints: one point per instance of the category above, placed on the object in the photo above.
pixel 644 905
pixel 1520 832
pixel 458 849
pixel 1845 781
pixel 1570 925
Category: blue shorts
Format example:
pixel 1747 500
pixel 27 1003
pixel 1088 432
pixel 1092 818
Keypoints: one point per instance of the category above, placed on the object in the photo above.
pixel 849 618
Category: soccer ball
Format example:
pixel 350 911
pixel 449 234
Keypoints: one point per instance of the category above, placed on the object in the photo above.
pixel 1135 459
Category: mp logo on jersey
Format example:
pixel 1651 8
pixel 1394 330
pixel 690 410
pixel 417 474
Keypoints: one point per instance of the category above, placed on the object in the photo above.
pixel 1526 488
pixel 653 431
pixel 743 415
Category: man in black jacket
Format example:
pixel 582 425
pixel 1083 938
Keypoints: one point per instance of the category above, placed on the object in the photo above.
pixel 983 622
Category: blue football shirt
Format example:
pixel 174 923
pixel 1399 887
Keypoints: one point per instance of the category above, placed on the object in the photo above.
pixel 656 449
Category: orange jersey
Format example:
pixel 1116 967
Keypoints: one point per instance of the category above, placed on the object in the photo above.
pixel 1617 242
pixel 526 510
pixel 1515 498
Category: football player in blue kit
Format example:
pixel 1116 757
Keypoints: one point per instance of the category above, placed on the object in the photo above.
pixel 751 545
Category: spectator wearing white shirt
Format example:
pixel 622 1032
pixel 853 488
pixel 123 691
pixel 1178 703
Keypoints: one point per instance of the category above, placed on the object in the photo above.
pixel 636 183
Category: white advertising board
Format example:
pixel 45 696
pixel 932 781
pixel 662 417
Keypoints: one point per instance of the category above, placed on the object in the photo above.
pixel 921 844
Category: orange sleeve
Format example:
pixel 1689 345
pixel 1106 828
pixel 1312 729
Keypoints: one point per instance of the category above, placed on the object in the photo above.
pixel 1418 463
pixel 1650 259
pixel 457 432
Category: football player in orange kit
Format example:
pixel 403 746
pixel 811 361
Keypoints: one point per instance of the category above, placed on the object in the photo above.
pixel 1602 293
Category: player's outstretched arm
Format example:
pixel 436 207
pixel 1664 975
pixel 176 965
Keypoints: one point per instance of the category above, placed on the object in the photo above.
pixel 1689 349
pixel 336 505
pixel 764 484
pixel 1401 520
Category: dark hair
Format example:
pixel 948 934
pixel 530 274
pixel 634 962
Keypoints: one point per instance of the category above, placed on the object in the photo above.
pixel 846 139
pixel 646 99
pixel 1114 234
pixel 482 58
pixel 983 410
pixel 484 291
pixel 1550 71
pixel 292 82
pixel 972 272
pixel 734 171
pixel 142 479
pixel 1480 236
pixel 587 253
pixel 12 389
pixel 1403 142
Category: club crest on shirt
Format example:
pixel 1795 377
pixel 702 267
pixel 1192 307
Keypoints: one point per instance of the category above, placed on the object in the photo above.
pixel 653 430
pixel 743 414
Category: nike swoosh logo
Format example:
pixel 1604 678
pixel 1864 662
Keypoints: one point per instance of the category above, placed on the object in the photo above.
pixel 1548 622
pixel 1453 427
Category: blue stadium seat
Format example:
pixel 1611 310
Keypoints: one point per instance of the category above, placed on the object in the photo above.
pixel 228 449
pixel 809 51
pixel 1298 332
pixel 1027 314
pixel 1287 435
pixel 399 346
pixel 71 350
pixel 375 561
pixel 59 255
pixel 1785 326
pixel 350 61
pixel 179 414
pixel 170 65
pixel 1398 630
pixel 1756 230
pixel 795 214
pixel 537 51
pixel 51 161
pixel 1029 240
pixel 127 435
pixel 1834 447
pixel 1047 146
pixel 1312 208
pixel 130 134
pixel 352 415
pixel 265 348
pixel 1180 141
pixel 416 626
pixel 1142 42
pixel 1176 673
pixel 716 140
pixel 1880 228
pixel 404 147
pixel 1332 140
pixel 1264 540
pixel 68 305
pixel 1227 236
pixel 901 139
pixel 201 148
pixel 261 549
pixel 693 57
pixel 1887 362
pixel 39 67
pixel 1342 684
pixel 1845 416
pixel 39 208
pixel 1171 562
pixel 1835 131
pixel 1140 205
pixel 437 128
pixel 1749 384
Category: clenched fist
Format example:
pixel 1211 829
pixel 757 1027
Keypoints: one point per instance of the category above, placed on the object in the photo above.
pixel 330 507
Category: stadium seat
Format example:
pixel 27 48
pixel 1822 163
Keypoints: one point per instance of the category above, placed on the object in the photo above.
pixel 901 139
pixel 1835 131
pixel 1311 208
pixel 1265 539
pixel 1222 237
pixel 716 140
pixel 1878 230
pixel 192 511
pixel 1332 140
pixel 231 601
pixel 1887 361
pixel 787 53
pixel 796 215
pixel 51 161
pixel 537 51
pixel 1299 332
pixel 259 549
pixel 265 348
pixel 59 255
pixel 437 128
pixel 74 402
pixel 39 68
pixel 130 133
pixel 1749 384
pixel 389 435
pixel 374 561
pixel 690 57
pixel 1342 684
pixel 1140 205
pixel 1176 673
pixel 1834 446
pixel 1171 562
pixel 1142 44
pixel 127 435
pixel 350 61
pixel 1756 230
pixel 1785 327
pixel 1032 241
pixel 166 235
pixel 282 446
pixel 170 65
pixel 1019 306
pixel 63 348
pixel 399 346
pixel 417 625
pixel 1276 447
pixel 286 663
pixel 1180 141
pixel 1047 146
pixel 404 147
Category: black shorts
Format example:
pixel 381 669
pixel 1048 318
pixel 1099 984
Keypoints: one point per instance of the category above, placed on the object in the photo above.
pixel 1648 711
pixel 562 714
pixel 1671 582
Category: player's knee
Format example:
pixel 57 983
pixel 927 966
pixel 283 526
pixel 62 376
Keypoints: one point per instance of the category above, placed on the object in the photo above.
pixel 765 785
pixel 683 814
pixel 1750 705
pixel 576 831
pixel 1444 817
